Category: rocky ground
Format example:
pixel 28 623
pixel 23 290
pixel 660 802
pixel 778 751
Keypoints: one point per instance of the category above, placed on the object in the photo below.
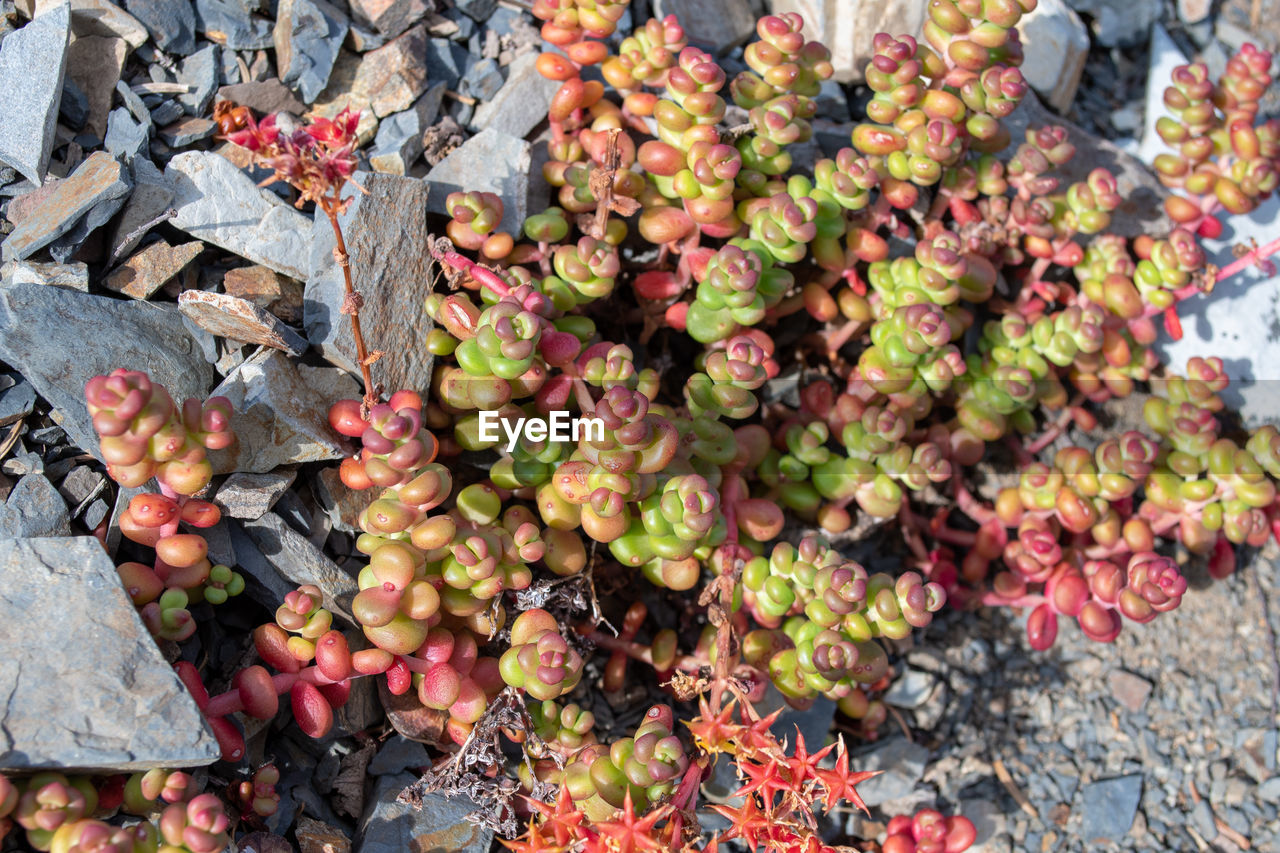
pixel 131 237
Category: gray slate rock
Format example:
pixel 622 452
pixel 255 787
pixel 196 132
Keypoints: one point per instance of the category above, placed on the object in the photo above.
pixel 397 755
pixel 1109 806
pixel 280 420
pixel 477 10
pixel 220 204
pixel 252 495
pixel 32 65
pixel 484 80
pixel 446 62
pixel 911 689
pixel 73 109
pixel 299 562
pixel 719 25
pixel 88 198
pixel 399 141
pixel 43 332
pixel 263 96
pixel 199 71
pixel 229 23
pixel 490 161
pixel 34 510
pixel 107 702
pixel 172 23
pixel 903 764
pixel 188 131
pixel 522 102
pixel 74 276
pixel 386 235
pixel 439 824
pixel 16 401
pixel 126 137
pixel 308 36
pixel 151 197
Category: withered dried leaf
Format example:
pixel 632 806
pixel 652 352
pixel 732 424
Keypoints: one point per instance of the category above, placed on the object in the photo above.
pixel 348 786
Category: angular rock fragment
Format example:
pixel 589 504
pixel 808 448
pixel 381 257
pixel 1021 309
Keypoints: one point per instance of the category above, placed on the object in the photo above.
pixel 187 131
pixel 720 25
pixel 1055 45
pixel 399 141
pixel 267 289
pixel 121 707
pixel 264 97
pixel 199 71
pixel 280 420
pixel 521 103
pixel 490 161
pixel 74 276
pixel 228 23
pixel 308 38
pixel 88 198
pixel 32 64
pixel 34 509
pixel 148 202
pixel 126 138
pixel 1142 208
pixel 252 495
pixel 394 75
pixel 386 235
pixel 218 203
pixel 172 23
pixel 43 331
pixel 148 270
pixel 299 562
pixel 240 320
pixel 389 17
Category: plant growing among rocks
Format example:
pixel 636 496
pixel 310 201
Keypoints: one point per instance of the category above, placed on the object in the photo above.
pixel 934 289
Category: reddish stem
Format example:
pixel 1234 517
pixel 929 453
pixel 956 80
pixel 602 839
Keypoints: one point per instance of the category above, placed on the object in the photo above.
pixel 351 306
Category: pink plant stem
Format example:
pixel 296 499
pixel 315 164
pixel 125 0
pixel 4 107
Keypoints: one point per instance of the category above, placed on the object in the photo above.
pixel 642 653
pixel 1259 254
pixel 970 505
pixel 684 799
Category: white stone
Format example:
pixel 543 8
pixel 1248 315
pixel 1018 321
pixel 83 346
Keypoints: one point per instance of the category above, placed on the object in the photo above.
pixel 1055 47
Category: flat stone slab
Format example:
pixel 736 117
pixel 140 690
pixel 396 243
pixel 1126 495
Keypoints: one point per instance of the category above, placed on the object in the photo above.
pixel 239 319
pixel 105 701
pixel 385 230
pixel 294 558
pixel 33 62
pixel 490 161
pixel 44 330
pixel 86 199
pixel 280 419
pixel 220 204
pixel 148 270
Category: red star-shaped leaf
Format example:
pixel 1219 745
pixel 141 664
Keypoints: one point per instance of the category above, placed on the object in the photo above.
pixel 563 817
pixel 712 732
pixel 626 834
pixel 748 821
pixel 766 779
pixel 803 765
pixel 839 782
